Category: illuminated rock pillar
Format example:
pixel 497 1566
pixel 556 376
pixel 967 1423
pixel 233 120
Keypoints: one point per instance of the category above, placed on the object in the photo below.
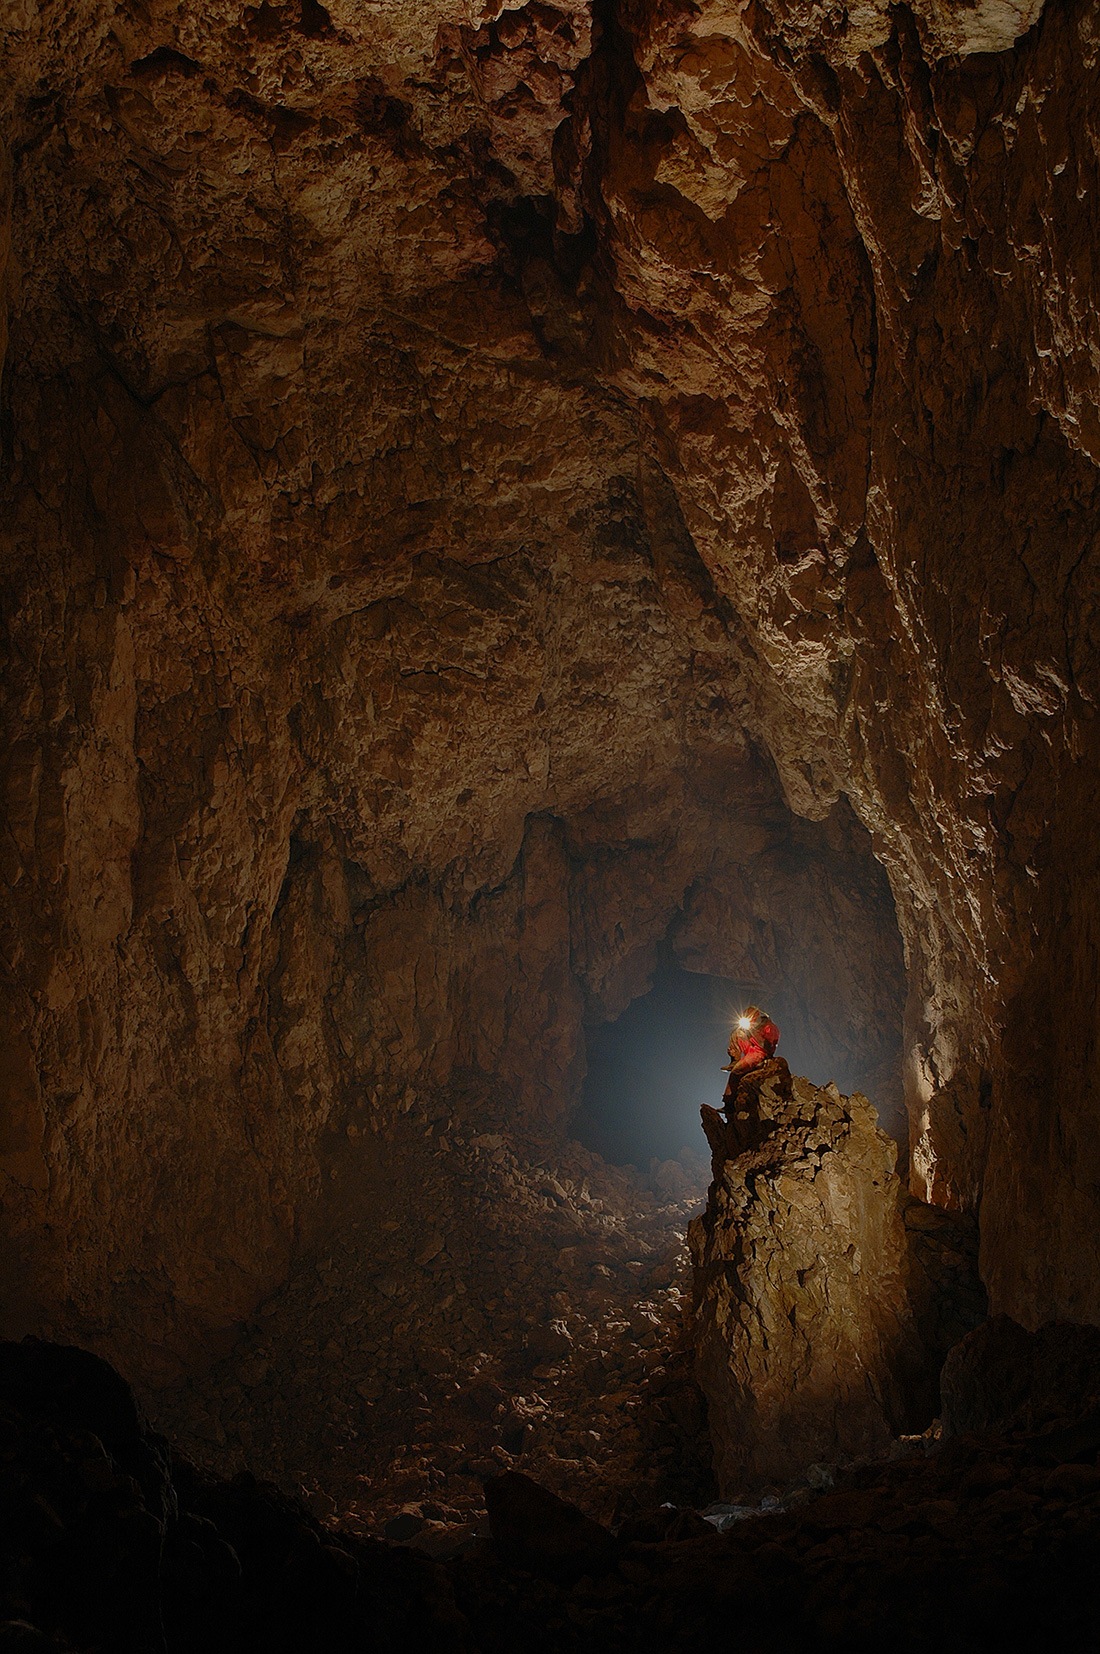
pixel 806 1324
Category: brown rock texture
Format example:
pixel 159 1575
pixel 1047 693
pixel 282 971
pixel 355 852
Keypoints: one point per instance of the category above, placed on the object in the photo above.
pixel 808 1334
pixel 1001 1378
pixel 536 1322
pixel 920 482
pixel 488 492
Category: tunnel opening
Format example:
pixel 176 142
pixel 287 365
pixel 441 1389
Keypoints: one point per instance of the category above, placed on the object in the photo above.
pixel 651 1068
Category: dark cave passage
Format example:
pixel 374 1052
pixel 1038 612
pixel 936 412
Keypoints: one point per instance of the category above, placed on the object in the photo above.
pixel 651 1068
pixel 527 529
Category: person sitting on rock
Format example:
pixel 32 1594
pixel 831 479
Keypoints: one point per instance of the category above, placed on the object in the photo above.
pixel 753 1041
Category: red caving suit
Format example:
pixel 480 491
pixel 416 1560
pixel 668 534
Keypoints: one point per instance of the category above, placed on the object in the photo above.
pixel 752 1048
pixel 758 1045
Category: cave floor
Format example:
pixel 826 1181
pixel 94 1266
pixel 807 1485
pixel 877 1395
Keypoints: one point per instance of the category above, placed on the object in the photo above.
pixel 478 1301
pixel 974 1546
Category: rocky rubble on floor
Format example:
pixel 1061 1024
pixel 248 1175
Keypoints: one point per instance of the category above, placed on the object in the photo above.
pixel 977 1543
pixel 515 1303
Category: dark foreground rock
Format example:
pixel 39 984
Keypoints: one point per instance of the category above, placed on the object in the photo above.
pixel 1002 1378
pixel 534 1530
pixel 110 1542
pixel 983 1543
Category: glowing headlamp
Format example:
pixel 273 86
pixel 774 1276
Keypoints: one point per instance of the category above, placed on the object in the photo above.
pixel 744 1023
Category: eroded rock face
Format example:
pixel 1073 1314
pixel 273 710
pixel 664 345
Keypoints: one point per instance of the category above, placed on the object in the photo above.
pixel 944 680
pixel 808 1336
pixel 1002 1378
pixel 467 471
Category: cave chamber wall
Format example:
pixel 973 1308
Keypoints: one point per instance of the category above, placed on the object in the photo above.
pixel 302 839
pixel 892 263
pixel 322 669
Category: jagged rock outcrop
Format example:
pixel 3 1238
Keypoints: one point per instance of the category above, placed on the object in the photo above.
pixel 808 1331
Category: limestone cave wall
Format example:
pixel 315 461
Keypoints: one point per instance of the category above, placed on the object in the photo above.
pixel 489 492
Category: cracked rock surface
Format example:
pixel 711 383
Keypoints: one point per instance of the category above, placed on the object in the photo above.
pixel 811 1329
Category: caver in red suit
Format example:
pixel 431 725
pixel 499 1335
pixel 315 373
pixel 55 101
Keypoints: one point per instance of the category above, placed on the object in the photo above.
pixel 750 1045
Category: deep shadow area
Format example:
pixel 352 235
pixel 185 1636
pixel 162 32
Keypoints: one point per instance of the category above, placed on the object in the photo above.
pixel 650 1070
pixel 983 1543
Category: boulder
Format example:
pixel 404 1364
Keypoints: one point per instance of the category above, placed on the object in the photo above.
pixel 535 1530
pixel 1003 1378
pixel 72 1389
